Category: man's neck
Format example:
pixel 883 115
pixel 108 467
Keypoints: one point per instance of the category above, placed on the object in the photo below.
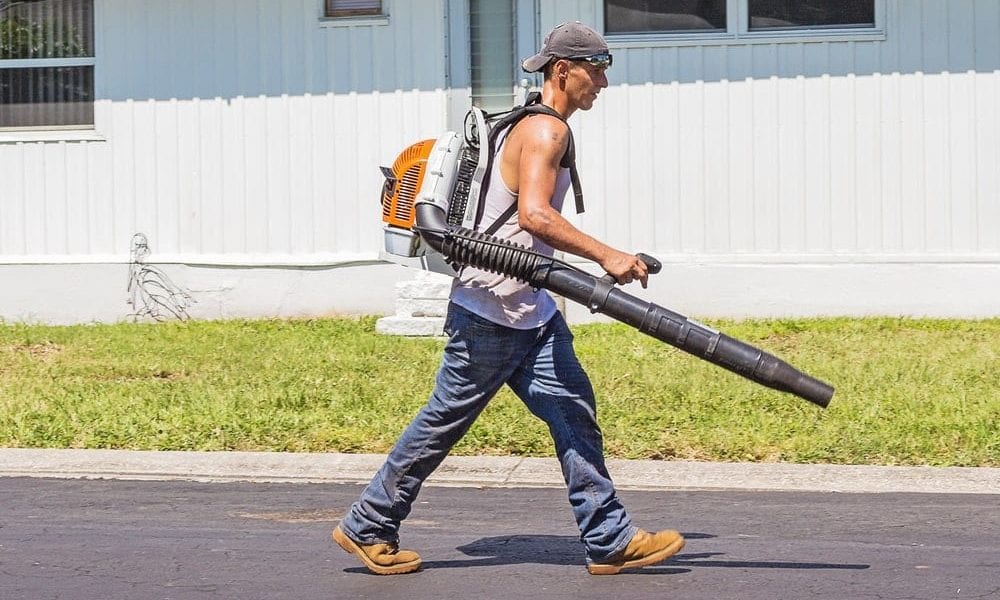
pixel 555 99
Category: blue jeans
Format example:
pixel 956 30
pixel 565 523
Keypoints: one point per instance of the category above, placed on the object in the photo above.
pixel 541 367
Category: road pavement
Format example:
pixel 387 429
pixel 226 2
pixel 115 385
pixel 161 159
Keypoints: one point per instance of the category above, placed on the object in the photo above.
pixel 260 531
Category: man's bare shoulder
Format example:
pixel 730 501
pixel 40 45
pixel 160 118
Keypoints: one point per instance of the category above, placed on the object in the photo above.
pixel 542 131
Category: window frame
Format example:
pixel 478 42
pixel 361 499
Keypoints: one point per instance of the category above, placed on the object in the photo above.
pixel 738 32
pixel 75 132
pixel 332 20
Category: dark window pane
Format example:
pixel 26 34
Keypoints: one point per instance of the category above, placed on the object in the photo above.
pixel 46 96
pixel 779 14
pixel 46 28
pixel 650 16
pixel 353 8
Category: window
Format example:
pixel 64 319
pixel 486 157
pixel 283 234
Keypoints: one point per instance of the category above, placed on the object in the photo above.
pixel 629 16
pixel 778 14
pixel 491 54
pixel 740 19
pixel 46 64
pixel 353 8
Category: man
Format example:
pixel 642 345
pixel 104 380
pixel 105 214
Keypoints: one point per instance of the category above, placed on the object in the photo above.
pixel 502 331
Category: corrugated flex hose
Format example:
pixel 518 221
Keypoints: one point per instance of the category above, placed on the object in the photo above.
pixel 464 246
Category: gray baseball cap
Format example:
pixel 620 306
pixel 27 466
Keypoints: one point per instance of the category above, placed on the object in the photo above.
pixel 569 40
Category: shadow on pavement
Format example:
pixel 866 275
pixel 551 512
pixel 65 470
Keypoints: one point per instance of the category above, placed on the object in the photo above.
pixel 567 551
pixel 695 560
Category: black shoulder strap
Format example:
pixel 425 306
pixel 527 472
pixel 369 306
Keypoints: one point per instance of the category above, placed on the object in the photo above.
pixel 507 214
pixel 569 159
pixel 532 105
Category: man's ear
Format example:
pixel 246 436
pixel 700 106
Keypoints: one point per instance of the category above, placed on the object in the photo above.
pixel 560 70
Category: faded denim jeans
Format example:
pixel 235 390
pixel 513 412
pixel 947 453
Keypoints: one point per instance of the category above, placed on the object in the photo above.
pixel 541 367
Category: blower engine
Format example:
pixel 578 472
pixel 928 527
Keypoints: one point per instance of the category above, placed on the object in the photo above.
pixel 429 204
pixel 447 172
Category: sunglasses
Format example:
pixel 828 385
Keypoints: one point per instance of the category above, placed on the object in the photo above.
pixel 601 61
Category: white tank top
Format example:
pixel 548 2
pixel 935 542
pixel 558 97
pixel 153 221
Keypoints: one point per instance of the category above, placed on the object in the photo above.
pixel 498 298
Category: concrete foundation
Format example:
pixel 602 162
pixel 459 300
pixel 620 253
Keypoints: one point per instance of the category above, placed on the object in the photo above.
pixel 69 293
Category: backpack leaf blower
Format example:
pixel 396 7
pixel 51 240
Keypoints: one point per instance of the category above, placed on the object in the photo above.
pixel 429 202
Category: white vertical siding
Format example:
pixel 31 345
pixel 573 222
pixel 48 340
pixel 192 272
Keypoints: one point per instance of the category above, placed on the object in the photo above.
pixel 246 127
pixel 886 147
pixel 256 131
pixel 231 129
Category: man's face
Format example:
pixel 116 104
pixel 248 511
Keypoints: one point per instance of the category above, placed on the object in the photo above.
pixel 584 81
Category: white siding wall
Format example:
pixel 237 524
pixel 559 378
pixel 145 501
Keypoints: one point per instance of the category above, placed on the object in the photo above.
pixel 793 178
pixel 791 151
pixel 231 127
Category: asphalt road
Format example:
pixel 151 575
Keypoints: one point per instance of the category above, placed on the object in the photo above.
pixel 110 540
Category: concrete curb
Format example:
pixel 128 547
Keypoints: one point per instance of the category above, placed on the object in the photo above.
pixel 479 471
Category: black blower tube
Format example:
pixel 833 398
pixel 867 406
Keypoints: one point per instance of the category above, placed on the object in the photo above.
pixel 463 246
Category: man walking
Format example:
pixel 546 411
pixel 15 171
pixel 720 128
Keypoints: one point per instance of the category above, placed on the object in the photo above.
pixel 502 331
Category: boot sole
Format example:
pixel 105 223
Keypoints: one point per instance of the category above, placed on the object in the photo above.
pixel 351 547
pixel 658 556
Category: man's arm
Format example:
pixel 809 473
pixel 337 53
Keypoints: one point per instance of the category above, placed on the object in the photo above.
pixel 543 141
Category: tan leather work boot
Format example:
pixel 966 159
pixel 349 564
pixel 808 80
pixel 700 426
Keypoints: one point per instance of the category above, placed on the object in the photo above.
pixel 644 549
pixel 381 559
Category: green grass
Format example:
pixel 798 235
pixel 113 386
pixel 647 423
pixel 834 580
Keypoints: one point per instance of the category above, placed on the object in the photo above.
pixel 908 391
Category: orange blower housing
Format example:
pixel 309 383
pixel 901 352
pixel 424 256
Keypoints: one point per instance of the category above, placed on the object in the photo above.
pixel 444 172
pixel 402 182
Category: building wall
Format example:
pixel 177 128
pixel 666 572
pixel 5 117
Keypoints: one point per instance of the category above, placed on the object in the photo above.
pixel 231 133
pixel 807 177
pixel 792 178
pixel 887 147
pixel 230 129
pixel 837 177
